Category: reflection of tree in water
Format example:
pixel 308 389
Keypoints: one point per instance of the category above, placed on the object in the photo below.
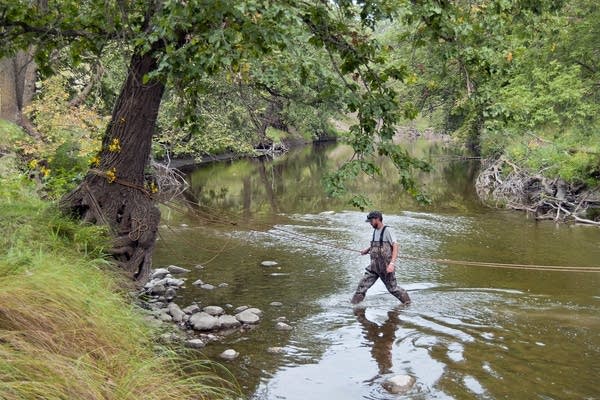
pixel 382 337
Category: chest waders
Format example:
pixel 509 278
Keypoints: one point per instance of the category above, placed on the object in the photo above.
pixel 381 256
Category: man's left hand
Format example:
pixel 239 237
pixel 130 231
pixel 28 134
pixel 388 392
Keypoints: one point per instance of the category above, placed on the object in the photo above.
pixel 390 268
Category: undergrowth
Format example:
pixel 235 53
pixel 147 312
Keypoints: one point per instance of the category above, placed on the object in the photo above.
pixel 67 329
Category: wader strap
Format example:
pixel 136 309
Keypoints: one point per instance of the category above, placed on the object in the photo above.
pixel 380 237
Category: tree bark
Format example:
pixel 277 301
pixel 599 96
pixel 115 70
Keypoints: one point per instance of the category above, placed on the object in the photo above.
pixel 17 87
pixel 113 193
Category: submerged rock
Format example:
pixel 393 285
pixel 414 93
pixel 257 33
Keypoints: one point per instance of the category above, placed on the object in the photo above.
pixel 240 309
pixel 207 286
pixel 247 317
pixel 203 322
pixel 282 326
pixel 195 343
pixel 174 269
pixel 199 282
pixel 275 350
pixel 213 310
pixel 255 311
pixel 229 354
pixel 191 309
pixel 269 263
pixel 399 384
pixel 276 304
pixel 228 321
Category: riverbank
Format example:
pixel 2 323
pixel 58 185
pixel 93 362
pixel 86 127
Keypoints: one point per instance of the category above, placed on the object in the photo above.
pixel 68 327
pixel 503 183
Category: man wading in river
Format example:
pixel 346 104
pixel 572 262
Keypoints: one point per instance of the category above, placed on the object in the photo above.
pixel 384 251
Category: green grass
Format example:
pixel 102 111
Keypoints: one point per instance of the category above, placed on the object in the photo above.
pixel 67 329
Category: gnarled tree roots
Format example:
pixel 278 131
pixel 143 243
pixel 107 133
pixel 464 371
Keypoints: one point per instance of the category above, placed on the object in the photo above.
pixel 129 212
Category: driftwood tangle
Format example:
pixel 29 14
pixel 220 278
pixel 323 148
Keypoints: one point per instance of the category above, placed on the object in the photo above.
pixel 502 183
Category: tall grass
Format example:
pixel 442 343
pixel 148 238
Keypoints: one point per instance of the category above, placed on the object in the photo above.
pixel 67 330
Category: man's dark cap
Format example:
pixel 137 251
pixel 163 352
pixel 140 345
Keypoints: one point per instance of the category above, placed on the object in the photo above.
pixel 373 215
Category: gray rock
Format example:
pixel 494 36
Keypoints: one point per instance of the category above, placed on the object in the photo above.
pixel 240 309
pixel 281 319
pixel 247 317
pixel 230 306
pixel 170 293
pixel 223 285
pixel 164 317
pixel 174 269
pixel 229 354
pixel 157 290
pixel 175 282
pixel 175 312
pixel 228 321
pixel 162 281
pixel 282 326
pixel 199 266
pixel 269 263
pixel 191 309
pixel 399 384
pixel 255 311
pixel 207 286
pixel 203 322
pixel 276 304
pixel 199 282
pixel 159 273
pixel 195 343
pixel 213 310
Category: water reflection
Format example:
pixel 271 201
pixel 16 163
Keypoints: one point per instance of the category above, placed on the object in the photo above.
pixel 251 188
pixel 380 338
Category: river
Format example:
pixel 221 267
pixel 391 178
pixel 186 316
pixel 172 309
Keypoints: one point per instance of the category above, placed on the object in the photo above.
pixel 470 333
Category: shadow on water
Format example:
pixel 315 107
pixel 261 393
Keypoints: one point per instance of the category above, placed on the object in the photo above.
pixel 470 333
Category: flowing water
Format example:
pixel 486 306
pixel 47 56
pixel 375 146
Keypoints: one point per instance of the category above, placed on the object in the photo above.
pixel 470 333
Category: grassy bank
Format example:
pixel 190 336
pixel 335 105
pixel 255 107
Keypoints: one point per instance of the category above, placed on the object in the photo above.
pixel 67 329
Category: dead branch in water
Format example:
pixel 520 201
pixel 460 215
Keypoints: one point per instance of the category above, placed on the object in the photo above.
pixel 502 183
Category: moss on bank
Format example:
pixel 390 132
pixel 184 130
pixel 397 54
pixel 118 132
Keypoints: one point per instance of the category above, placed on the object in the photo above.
pixel 67 329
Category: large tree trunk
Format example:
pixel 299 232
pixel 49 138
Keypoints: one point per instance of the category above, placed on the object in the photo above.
pixel 17 87
pixel 113 193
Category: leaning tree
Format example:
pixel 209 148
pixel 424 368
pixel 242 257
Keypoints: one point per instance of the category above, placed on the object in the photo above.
pixel 174 42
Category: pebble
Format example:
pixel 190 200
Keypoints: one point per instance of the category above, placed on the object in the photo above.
pixel 199 282
pixel 269 263
pixel 276 304
pixel 207 286
pixel 223 285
